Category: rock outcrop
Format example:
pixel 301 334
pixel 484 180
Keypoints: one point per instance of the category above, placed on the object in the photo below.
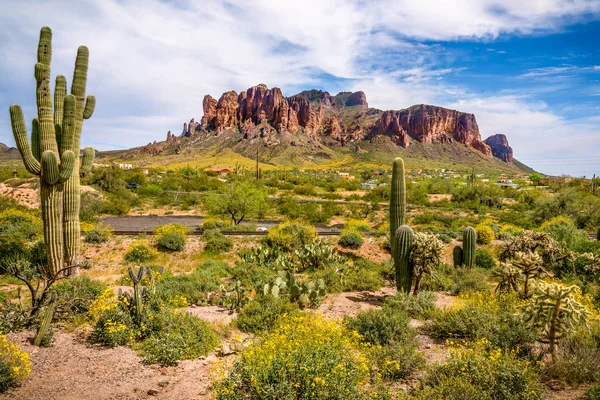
pixel 430 124
pixel 500 148
pixel 265 113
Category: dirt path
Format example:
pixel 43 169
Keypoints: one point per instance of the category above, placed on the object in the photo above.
pixel 72 370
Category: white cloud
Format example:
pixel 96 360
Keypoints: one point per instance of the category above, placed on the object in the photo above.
pixel 153 61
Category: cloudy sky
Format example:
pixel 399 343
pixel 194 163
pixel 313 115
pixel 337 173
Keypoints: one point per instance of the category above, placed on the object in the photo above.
pixel 529 69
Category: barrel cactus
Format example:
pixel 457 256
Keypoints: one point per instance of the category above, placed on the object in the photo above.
pixel 469 246
pixel 397 199
pixel 53 154
pixel 403 243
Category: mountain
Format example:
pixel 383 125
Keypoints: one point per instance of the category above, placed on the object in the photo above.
pixel 8 153
pixel 314 124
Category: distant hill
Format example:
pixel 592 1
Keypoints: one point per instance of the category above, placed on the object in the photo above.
pixel 8 153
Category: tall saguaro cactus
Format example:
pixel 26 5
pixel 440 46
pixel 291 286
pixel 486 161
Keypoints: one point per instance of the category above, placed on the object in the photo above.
pixel 397 200
pixel 54 150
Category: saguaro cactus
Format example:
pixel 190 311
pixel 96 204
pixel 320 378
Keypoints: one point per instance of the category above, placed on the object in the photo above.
pixel 403 243
pixel 84 108
pixel 138 291
pixel 54 150
pixel 397 200
pixel 469 246
pixel 457 256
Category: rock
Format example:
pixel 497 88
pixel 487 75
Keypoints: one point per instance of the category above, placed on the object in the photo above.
pixel 430 124
pixel 357 99
pixel 226 111
pixel 192 127
pixel 152 392
pixel 209 107
pixel 500 148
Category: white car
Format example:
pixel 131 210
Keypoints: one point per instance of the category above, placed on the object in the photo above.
pixel 261 229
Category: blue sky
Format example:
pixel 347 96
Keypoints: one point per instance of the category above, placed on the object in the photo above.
pixel 527 69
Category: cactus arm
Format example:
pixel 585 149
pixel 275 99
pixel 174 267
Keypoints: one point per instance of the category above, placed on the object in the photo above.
pixel 50 167
pixel 90 106
pixel 87 161
pixel 403 244
pixel 66 166
pixel 45 46
pixel 60 90
pixel 397 199
pixel 20 134
pixel 46 321
pixel 35 139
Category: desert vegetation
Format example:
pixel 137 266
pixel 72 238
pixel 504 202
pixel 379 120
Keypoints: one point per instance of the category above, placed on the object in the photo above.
pixel 397 283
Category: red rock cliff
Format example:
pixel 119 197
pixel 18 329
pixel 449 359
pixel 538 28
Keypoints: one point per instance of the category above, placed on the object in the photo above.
pixel 500 148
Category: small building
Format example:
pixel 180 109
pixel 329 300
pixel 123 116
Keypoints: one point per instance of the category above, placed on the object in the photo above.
pixel 507 185
pixel 346 176
pixel 220 171
pixel 125 166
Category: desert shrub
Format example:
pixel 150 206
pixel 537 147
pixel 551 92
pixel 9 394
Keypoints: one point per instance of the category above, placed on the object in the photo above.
pixel 76 294
pixel 484 259
pixel 456 280
pixel 485 234
pixel 212 223
pixel 140 252
pixel 305 190
pixel 215 268
pixel 290 235
pixel 357 225
pixel 483 316
pixel 564 231
pixel 351 239
pixel 397 360
pixel 175 336
pixel 151 190
pixel 216 242
pixel 171 237
pixel 592 394
pixel 261 314
pixel 507 231
pixel 477 370
pixel 97 233
pixel 117 204
pixel 416 306
pixel 18 230
pixel 14 364
pixel 253 275
pixel 305 357
pixel 347 278
pixel 92 205
pixel 578 357
pixel 194 287
pixel 114 325
pixel 381 327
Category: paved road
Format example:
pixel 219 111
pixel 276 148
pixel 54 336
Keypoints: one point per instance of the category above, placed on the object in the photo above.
pixel 137 223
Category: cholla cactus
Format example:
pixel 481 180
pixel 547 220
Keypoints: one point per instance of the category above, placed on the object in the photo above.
pixel 531 266
pixel 509 278
pixel 553 312
pixel 426 254
pixel 532 241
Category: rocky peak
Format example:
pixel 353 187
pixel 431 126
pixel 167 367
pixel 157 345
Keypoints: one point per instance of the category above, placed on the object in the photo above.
pixel 357 99
pixel 500 148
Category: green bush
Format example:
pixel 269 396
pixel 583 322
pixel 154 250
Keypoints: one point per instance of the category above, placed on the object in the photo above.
pixel 419 306
pixel 76 294
pixel 484 317
pixel 175 336
pixel 381 327
pixel 290 235
pixel 194 287
pixel 97 234
pixel 479 371
pixel 305 357
pixel 92 205
pixel 261 314
pixel 18 230
pixel 592 394
pixel 578 358
pixel 140 252
pixel 216 242
pixel 397 360
pixel 483 259
pixel 114 327
pixel 351 239
pixel 456 280
pixel 171 237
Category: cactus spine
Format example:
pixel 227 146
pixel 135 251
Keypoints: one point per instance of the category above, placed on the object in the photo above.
pixel 469 246
pixel 457 256
pixel 397 200
pixel 403 245
pixel 54 151
pixel 46 321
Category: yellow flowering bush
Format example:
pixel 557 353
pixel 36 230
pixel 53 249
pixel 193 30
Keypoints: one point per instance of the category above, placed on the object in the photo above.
pixel 14 363
pixel 485 234
pixel 171 237
pixel 482 371
pixel 305 357
pixel 112 322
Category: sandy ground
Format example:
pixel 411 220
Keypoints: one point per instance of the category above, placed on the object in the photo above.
pixel 24 194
